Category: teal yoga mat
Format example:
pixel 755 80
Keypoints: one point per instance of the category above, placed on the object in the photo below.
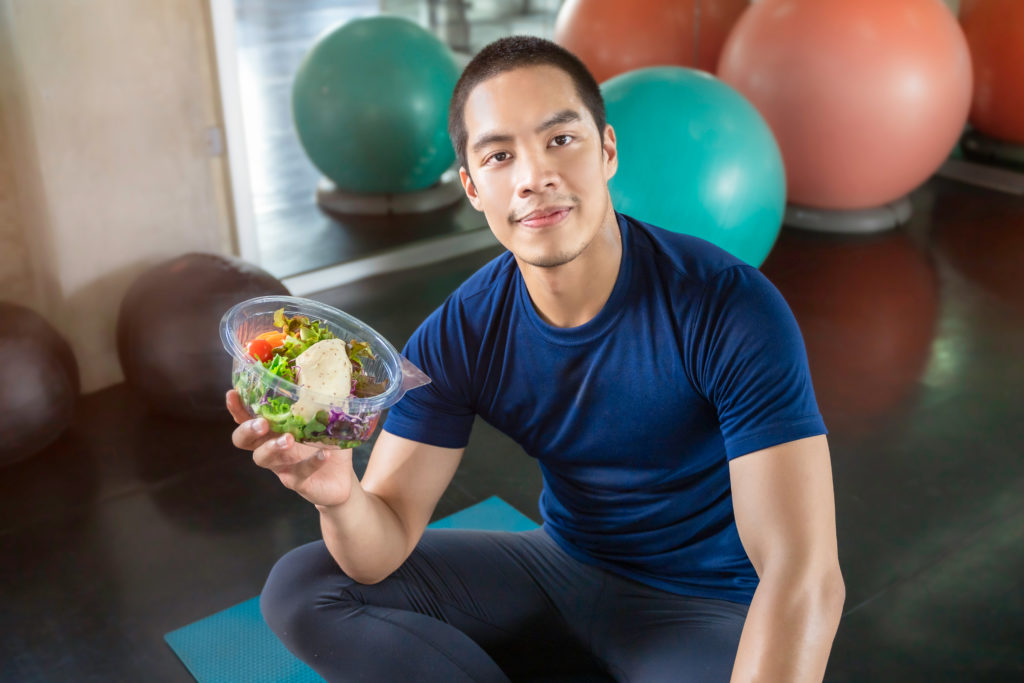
pixel 236 645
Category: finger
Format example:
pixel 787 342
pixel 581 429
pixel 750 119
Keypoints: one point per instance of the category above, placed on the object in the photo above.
pixel 252 431
pixel 279 451
pixel 252 434
pixel 236 407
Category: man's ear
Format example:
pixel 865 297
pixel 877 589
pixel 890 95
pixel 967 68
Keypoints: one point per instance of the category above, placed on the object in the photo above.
pixel 470 188
pixel 610 152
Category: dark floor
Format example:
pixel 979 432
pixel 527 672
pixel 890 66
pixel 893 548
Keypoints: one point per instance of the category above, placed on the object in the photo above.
pixel 132 525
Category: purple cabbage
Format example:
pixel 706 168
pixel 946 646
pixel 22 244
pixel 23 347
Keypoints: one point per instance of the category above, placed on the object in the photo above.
pixel 345 427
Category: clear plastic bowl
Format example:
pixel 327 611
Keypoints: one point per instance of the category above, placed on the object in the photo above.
pixel 351 420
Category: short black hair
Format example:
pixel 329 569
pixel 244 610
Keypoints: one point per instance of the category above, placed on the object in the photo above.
pixel 514 52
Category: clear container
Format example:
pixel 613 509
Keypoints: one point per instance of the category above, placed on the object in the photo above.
pixel 343 423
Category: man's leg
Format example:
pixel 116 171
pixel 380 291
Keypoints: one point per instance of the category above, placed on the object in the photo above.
pixel 646 635
pixel 465 605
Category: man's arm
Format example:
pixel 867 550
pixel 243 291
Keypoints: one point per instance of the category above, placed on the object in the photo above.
pixel 785 514
pixel 372 533
pixel 370 527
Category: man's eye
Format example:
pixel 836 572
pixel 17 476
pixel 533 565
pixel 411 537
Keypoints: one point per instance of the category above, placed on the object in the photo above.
pixel 499 156
pixel 561 140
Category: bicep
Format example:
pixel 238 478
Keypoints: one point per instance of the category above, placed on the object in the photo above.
pixel 410 477
pixel 784 506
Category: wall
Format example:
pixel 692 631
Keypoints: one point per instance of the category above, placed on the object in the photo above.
pixel 16 272
pixel 110 159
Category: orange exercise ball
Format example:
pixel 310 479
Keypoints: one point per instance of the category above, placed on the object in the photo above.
pixel 868 309
pixel 866 97
pixel 995 34
pixel 612 37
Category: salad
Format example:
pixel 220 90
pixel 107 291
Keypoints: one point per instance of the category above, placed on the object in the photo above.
pixel 323 367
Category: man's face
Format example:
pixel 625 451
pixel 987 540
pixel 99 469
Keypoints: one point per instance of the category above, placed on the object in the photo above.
pixel 537 165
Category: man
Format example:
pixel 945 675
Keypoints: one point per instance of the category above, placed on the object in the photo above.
pixel 662 385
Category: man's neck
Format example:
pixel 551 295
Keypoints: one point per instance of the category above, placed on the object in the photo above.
pixel 572 294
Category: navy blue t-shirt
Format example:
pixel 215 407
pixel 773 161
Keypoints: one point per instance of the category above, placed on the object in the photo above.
pixel 695 359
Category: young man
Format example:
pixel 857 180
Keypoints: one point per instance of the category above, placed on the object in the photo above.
pixel 662 385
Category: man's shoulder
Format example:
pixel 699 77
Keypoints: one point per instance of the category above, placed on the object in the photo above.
pixel 494 275
pixel 680 255
pixel 474 301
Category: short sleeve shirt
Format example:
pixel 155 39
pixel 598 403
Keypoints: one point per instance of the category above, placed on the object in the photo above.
pixel 633 417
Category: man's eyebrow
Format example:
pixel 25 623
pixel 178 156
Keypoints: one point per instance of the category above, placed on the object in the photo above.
pixel 564 116
pixel 489 139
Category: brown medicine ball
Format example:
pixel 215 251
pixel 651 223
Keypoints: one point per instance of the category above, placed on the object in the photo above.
pixel 39 383
pixel 167 331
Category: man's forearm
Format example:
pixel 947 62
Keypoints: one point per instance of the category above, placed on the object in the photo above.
pixel 789 629
pixel 364 536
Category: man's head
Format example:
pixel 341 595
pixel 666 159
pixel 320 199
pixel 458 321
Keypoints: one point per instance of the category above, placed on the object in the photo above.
pixel 528 125
pixel 516 52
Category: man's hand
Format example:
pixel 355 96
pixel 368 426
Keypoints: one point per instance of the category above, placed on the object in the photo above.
pixel 323 476
pixel 370 527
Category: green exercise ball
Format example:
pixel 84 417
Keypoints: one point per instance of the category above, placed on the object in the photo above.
pixel 370 105
pixel 696 157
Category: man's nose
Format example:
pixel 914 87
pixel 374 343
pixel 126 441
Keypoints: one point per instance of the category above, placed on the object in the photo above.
pixel 536 173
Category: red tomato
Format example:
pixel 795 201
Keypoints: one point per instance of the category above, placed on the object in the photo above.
pixel 260 349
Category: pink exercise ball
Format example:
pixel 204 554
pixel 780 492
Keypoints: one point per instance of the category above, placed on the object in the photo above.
pixel 995 33
pixel 866 97
pixel 612 37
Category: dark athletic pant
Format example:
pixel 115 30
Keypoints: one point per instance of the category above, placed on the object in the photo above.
pixel 494 606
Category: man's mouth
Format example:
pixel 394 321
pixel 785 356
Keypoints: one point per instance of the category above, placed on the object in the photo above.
pixel 544 217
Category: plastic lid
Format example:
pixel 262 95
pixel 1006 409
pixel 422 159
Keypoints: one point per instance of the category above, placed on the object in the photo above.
pixel 402 375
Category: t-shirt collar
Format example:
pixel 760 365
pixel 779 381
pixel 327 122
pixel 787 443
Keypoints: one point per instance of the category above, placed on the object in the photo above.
pixel 606 317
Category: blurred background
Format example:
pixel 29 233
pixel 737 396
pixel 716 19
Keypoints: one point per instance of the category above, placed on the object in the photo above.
pixel 163 160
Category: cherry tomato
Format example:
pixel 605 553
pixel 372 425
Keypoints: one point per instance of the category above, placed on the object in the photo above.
pixel 274 337
pixel 259 349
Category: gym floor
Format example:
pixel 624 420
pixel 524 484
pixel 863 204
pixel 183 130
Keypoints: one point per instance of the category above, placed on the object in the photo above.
pixel 132 525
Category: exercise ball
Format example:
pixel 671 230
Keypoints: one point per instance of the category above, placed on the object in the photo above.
pixel 868 309
pixel 695 157
pixel 995 34
pixel 613 37
pixel 866 97
pixel 370 105
pixel 168 331
pixel 39 383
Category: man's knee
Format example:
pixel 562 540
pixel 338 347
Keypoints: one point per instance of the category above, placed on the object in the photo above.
pixel 300 585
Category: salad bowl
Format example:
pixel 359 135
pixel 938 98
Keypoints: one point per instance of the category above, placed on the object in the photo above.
pixel 269 337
